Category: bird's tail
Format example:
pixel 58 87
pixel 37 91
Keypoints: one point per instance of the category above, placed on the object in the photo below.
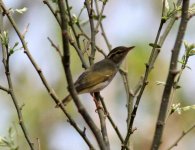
pixel 65 101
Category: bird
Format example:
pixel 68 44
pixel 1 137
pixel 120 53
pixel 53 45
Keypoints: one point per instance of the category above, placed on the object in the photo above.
pixel 100 74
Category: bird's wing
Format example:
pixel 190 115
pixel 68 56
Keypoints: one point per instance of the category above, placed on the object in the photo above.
pixel 90 79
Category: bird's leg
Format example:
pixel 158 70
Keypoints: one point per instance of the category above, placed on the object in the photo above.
pixel 97 102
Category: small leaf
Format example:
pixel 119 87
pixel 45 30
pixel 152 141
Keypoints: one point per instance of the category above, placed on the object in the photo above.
pixel 188 67
pixel 185 44
pixel 83 23
pixel 188 107
pixel 160 83
pixel 22 10
pixel 95 17
pixel 154 45
pixel 192 52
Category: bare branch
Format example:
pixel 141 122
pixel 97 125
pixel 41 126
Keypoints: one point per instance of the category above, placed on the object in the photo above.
pixel 111 120
pixel 171 76
pixel 4 89
pixel 92 27
pixel 102 118
pixel 55 46
pixel 101 25
pixel 55 13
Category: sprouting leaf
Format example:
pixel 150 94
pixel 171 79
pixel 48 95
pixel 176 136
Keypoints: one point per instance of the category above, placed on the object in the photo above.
pixel 186 108
pixel 188 67
pixel 177 108
pixel 154 45
pixel 177 87
pixel 166 7
pixel 181 62
pixel 54 1
pixel 22 10
pixel 192 52
pixel 103 1
pixel 74 18
pixel 4 38
pixel 83 23
pixel 97 17
pixel 185 44
pixel 160 83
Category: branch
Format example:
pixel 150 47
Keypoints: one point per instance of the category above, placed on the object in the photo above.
pixel 73 93
pixel 171 76
pixel 71 24
pixel 43 79
pixel 4 89
pixel 92 27
pixel 72 42
pixel 181 136
pixel 55 46
pixel 102 118
pixel 87 37
pixel 53 11
pixel 111 120
pixel 149 67
pixel 100 23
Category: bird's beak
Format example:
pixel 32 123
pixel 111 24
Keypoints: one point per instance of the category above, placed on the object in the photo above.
pixel 130 48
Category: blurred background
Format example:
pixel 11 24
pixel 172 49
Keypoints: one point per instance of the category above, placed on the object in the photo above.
pixel 127 23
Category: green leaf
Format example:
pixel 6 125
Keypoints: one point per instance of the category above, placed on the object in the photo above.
pixel 97 17
pixel 192 52
pixel 22 10
pixel 154 45
pixel 4 38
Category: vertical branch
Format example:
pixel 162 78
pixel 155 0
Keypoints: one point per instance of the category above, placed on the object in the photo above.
pixel 100 14
pixel 66 64
pixel 111 120
pixel 72 25
pixel 149 67
pixel 102 118
pixel 171 76
pixel 90 12
pixel 91 60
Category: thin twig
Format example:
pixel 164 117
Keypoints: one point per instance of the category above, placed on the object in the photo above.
pixel 4 89
pixel 52 10
pixel 111 120
pixel 87 37
pixel 71 24
pixel 101 25
pixel 171 76
pixel 43 79
pixel 72 42
pixel 55 46
pixel 90 12
pixel 184 133
pixel 73 93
